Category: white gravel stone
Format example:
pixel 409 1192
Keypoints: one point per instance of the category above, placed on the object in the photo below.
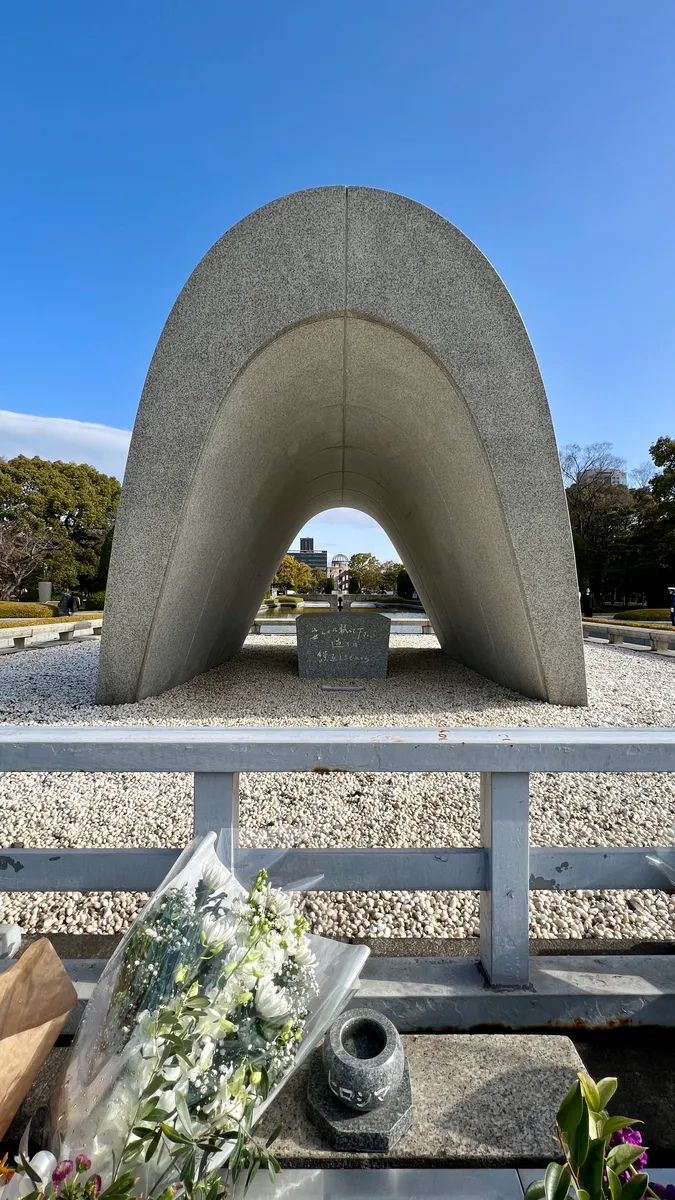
pixel 261 687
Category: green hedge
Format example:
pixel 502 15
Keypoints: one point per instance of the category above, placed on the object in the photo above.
pixel 95 602
pixel 643 614
pixel 19 608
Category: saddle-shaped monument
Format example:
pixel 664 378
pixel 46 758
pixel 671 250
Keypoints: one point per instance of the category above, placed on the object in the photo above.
pixel 343 346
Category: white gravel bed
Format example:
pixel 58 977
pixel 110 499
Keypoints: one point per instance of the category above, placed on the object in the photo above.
pixel 260 687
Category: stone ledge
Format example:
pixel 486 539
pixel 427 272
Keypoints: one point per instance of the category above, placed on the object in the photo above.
pixel 477 1098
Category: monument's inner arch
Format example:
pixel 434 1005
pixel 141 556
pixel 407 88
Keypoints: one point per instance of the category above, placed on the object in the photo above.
pixel 448 446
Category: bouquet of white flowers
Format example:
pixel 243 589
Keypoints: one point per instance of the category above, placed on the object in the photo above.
pixel 211 1000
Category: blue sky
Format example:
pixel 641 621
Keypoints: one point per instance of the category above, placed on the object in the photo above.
pixel 133 135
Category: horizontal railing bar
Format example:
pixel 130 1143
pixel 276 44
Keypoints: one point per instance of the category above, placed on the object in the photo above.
pixel 107 870
pixel 612 868
pixel 69 748
pixel 342 870
pixel 373 870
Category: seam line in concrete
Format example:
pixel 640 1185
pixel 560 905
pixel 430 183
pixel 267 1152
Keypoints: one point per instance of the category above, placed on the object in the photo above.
pixel 344 343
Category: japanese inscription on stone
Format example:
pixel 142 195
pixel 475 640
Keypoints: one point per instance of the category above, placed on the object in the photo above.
pixel 345 645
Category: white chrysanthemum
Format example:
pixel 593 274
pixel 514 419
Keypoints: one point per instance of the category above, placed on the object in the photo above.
pixel 283 904
pixel 272 954
pixel 216 877
pixel 270 1001
pixel 303 955
pixel 217 930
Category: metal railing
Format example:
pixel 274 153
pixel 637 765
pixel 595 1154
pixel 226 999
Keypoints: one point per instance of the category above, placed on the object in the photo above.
pixel 503 869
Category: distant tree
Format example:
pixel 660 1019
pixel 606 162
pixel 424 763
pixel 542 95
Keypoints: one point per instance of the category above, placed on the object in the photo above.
pixel 585 472
pixel 601 515
pixel 100 582
pixel 654 526
pixel 24 548
pixel 353 587
pixel 366 570
pixel 389 573
pixel 285 576
pixel 404 585
pixel 303 580
pixel 71 499
pixel 641 476
pixel 320 579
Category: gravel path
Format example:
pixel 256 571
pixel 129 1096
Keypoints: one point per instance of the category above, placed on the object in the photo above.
pixel 260 687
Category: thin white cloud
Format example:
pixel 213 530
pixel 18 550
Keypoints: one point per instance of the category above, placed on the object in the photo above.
pixel 101 446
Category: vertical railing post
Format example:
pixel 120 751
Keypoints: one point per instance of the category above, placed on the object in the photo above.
pixel 504 916
pixel 216 803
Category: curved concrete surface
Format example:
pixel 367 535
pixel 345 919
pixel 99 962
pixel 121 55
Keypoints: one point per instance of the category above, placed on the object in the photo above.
pixel 343 346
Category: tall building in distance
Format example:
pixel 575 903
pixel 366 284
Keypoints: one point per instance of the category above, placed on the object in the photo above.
pixel 307 554
pixel 607 476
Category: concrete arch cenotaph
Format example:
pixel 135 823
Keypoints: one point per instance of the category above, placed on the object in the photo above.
pixel 343 346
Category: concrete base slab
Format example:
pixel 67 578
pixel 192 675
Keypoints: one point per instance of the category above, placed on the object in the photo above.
pixel 476 1099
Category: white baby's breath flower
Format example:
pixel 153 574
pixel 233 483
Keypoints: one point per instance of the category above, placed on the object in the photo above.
pixel 270 1001
pixel 217 930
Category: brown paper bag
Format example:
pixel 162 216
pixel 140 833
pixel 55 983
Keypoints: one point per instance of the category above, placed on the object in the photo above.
pixel 36 996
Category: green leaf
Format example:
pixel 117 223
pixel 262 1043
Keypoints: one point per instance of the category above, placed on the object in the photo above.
pixel 252 1172
pixel 620 1158
pixel 580 1140
pixel 264 1083
pixel 183 1112
pixel 152 1145
pixel 591 1094
pixel 123 1186
pixel 606 1089
pixel 142 1132
pixel 553 1173
pixel 582 1195
pixel 30 1172
pixel 569 1113
pixel 536 1190
pixel 591 1170
pixel 130 1152
pixel 274 1135
pixel 636 1187
pixel 557 1182
pixel 614 1124
pixel 614 1184
pixel 172 1134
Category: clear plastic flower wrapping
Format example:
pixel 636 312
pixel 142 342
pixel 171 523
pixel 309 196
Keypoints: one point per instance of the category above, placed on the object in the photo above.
pixel 271 1007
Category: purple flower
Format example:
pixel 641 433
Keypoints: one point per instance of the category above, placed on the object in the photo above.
pixel 629 1137
pixel 62 1170
pixel 93 1186
pixel 665 1191
pixel 83 1163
